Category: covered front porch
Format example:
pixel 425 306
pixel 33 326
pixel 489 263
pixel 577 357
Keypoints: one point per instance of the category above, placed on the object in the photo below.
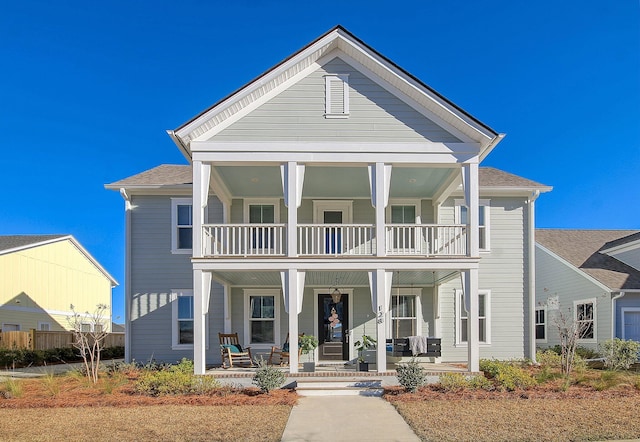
pixel 265 307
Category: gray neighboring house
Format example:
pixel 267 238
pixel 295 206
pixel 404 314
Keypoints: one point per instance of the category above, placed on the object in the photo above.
pixel 591 276
pixel 335 195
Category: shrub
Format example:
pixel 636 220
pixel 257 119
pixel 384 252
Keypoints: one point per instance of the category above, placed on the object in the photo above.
pixel 411 376
pixel 267 377
pixel 11 388
pixel 620 354
pixel 174 380
pixel 506 375
pixel 548 358
pixel 453 382
pixel 51 384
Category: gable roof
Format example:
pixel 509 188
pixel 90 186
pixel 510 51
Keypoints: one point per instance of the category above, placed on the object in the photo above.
pixel 583 249
pixel 297 66
pixel 628 242
pixel 16 243
pixel 170 175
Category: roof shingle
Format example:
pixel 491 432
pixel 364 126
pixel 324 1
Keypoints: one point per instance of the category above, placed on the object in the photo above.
pixel 8 242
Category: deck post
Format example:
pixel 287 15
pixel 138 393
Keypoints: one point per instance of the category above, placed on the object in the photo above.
pixel 472 305
pixel 199 326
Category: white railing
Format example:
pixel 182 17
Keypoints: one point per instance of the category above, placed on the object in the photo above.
pixel 426 239
pixel 336 239
pixel 244 239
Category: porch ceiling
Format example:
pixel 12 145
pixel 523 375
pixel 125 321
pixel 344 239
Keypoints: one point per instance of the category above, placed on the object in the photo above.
pixel 332 181
pixel 328 279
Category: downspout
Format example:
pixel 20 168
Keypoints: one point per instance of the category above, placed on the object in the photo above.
pixel 613 313
pixel 127 275
pixel 532 275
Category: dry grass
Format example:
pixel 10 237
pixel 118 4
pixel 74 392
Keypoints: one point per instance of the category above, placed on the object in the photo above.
pixel 146 423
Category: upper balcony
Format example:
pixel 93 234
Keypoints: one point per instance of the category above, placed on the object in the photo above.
pixel 334 240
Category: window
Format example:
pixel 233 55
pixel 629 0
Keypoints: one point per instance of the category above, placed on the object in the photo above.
pixel 85 327
pixel 182 225
pixel 585 313
pixel 98 328
pixel 541 324
pixel 404 238
pixel 262 237
pixel 182 313
pixel 404 315
pixel 10 327
pixel 44 326
pixel 484 317
pixel 462 217
pixel 262 317
pixel 336 96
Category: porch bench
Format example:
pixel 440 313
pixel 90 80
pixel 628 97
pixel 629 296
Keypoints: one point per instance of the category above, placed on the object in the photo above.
pixel 399 347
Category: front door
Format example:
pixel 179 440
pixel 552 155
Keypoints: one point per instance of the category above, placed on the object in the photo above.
pixel 631 324
pixel 333 324
pixel 333 235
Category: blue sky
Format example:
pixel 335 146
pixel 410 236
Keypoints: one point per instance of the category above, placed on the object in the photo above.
pixel 88 89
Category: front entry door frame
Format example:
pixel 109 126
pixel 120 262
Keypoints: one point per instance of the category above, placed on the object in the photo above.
pixel 316 330
pixel 321 206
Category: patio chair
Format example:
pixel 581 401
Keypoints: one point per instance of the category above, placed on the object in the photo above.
pixel 232 351
pixel 283 352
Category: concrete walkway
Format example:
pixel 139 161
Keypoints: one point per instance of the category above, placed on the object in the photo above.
pixel 346 418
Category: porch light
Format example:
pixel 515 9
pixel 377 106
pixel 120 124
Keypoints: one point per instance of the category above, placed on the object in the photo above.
pixel 336 295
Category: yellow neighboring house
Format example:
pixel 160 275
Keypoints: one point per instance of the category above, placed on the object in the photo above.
pixel 41 276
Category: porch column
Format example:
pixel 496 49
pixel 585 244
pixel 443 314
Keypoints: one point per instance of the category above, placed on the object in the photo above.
pixel 380 283
pixel 201 290
pixel 471 196
pixel 201 179
pixel 472 304
pixel 292 181
pixel 379 183
pixel 293 289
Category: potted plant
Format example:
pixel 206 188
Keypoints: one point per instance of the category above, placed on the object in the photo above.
pixel 366 343
pixel 307 344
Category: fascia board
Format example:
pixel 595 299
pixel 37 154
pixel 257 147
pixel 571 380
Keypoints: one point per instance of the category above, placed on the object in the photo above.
pixel 627 247
pixel 35 244
pixel 506 191
pixel 574 268
pixel 93 260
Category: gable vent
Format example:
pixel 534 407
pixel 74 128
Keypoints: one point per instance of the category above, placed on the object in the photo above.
pixel 336 96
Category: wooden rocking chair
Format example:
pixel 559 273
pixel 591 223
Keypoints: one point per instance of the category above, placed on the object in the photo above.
pixel 232 351
pixel 283 352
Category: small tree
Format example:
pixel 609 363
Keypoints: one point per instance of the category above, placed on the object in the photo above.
pixel 570 331
pixel 89 335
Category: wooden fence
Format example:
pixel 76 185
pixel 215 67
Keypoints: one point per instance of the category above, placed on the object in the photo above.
pixel 44 340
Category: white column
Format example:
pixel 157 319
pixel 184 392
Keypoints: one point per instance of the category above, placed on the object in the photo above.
pixel 380 285
pixel 531 258
pixel 293 284
pixel 473 328
pixel 379 183
pixel 471 196
pixel 199 326
pixel 292 181
pixel 201 178
pixel 226 290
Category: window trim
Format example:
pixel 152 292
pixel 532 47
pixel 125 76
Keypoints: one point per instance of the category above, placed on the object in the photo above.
pixel 175 202
pixel 275 202
pixel 459 308
pixel 404 202
pixel 4 324
pixel 545 323
pixel 593 301
pixel 247 318
pixel 175 332
pixel 486 203
pixel 328 79
pixel 41 323
pixel 414 292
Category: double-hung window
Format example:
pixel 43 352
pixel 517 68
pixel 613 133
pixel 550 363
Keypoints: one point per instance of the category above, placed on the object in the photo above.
pixel 484 318
pixel 585 314
pixel 462 217
pixel 541 324
pixel 182 312
pixel 181 225
pixel 405 310
pixel 262 316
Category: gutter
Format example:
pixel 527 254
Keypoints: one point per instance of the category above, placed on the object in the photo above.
pixel 532 274
pixel 613 313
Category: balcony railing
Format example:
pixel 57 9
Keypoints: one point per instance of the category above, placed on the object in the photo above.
pixel 426 239
pixel 334 240
pixel 244 239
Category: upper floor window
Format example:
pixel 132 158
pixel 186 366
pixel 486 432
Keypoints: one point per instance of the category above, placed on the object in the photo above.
pixel 462 217
pixel 484 317
pixel 336 96
pixel 181 225
pixel 585 315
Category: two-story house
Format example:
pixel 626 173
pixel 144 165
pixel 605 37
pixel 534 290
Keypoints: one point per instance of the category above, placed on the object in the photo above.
pixel 335 195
